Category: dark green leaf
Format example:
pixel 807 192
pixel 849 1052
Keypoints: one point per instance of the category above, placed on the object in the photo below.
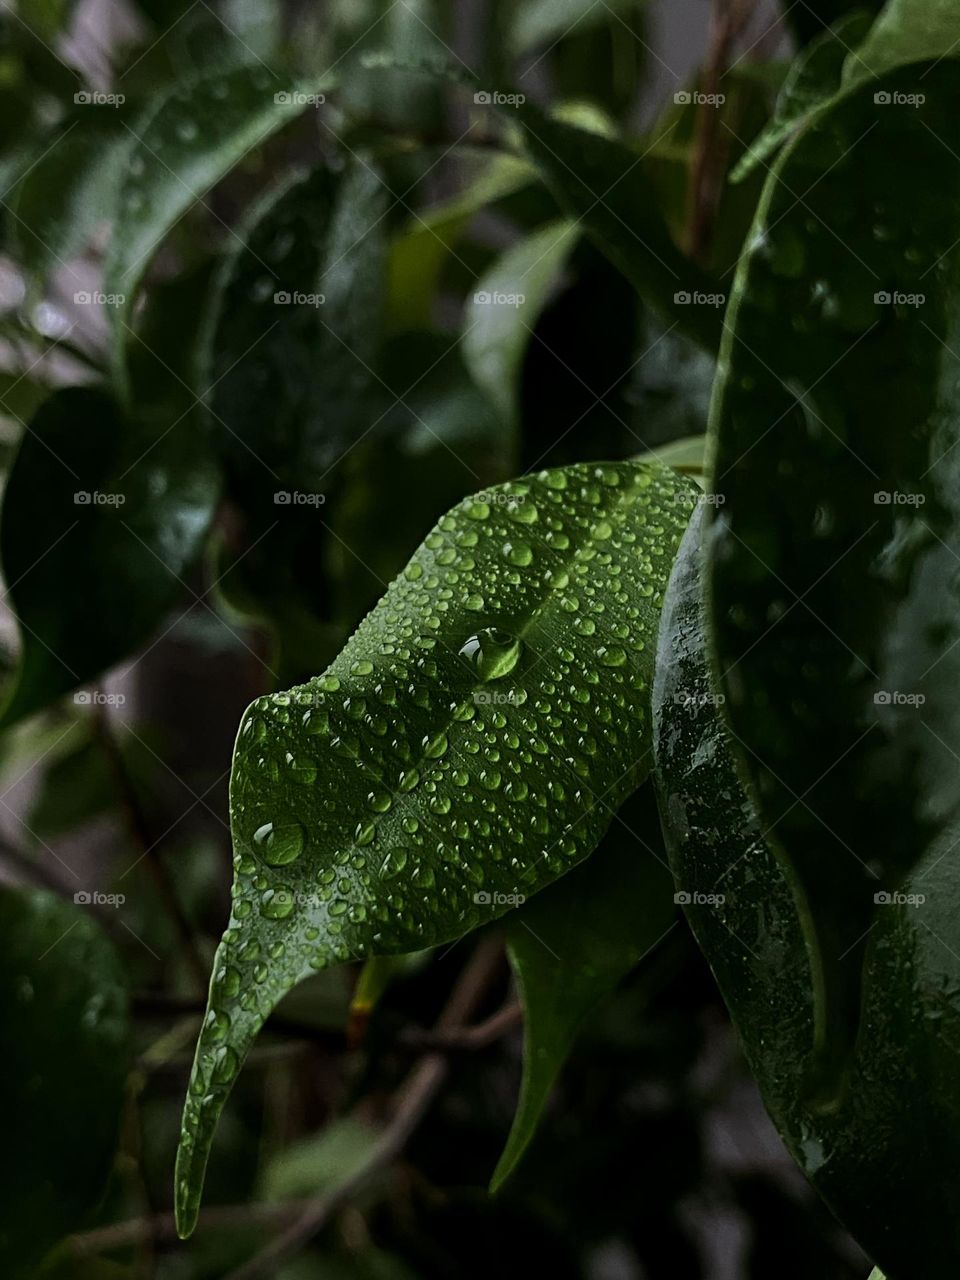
pixel 573 943
pixel 63 1048
pixel 100 522
pixel 838 394
pixel 884 1158
pixel 471 742
pixel 814 77
pixel 198 133
pixel 812 17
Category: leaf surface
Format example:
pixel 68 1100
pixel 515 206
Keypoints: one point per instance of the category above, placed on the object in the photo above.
pixel 471 742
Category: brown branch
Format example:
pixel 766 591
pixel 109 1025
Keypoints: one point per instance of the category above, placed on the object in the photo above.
pixel 140 834
pixel 728 19
pixel 465 1039
pixel 302 1219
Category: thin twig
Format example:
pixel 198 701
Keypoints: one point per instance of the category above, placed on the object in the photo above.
pixel 413 1101
pixel 465 1039
pixel 139 829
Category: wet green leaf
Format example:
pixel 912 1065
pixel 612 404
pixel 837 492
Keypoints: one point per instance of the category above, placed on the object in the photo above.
pixel 813 78
pixel 573 943
pixel 471 742
pixel 884 1158
pixel 839 394
pixel 502 312
pixel 101 520
pixel 197 134
pixel 63 1048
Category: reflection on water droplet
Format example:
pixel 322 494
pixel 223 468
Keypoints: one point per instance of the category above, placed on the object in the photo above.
pixel 492 653
pixel 278 845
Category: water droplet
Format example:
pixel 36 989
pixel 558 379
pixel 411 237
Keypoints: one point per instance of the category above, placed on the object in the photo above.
pixel 492 653
pixel 278 845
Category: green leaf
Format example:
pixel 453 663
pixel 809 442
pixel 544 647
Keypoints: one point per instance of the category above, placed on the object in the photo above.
pixel 318 1164
pixel 472 741
pixel 502 313
pixel 906 31
pixel 197 134
pixel 884 1158
pixel 812 17
pixel 686 454
pixel 813 78
pixel 540 22
pixel 419 254
pixel 603 184
pixel 844 405
pixel 64 1051
pixel 573 943
pixel 92 567
pixel 71 189
pixel 295 324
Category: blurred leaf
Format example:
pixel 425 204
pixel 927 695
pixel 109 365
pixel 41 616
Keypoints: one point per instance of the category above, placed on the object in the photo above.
pixel 573 944
pixel 884 1158
pixel 838 395
pixel 602 184
pixel 905 31
pixel 197 134
pixel 418 255
pixel 414 30
pixel 542 22
pixel 501 316
pixel 122 517
pixel 63 1048
pixel 426 776
pixel 686 454
pixel 295 323
pixel 319 1164
pixel 70 190
pixel 814 76
pixel 810 19
pixel 671 384
pixel 20 396
pixel 79 785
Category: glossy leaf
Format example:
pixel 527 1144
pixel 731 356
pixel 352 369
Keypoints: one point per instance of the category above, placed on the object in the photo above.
pixel 813 78
pixel 470 743
pixel 572 945
pixel 884 1158
pixel 502 313
pixel 63 1047
pixel 198 133
pixel 100 522
pixel 839 394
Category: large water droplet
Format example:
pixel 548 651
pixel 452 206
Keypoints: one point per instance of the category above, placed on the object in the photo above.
pixel 278 845
pixel 492 653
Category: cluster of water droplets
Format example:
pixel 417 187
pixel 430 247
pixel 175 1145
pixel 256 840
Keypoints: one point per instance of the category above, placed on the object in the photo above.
pixel 473 739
